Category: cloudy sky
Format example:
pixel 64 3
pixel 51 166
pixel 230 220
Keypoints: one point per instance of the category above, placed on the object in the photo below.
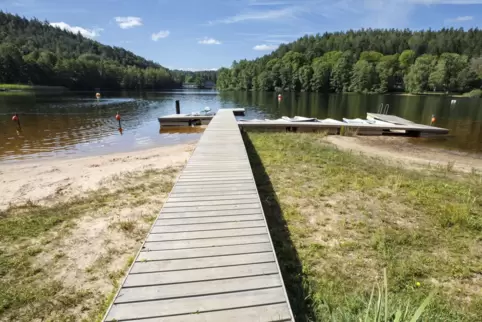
pixel 208 34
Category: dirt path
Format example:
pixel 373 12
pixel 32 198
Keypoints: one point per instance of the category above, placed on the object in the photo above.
pixel 402 150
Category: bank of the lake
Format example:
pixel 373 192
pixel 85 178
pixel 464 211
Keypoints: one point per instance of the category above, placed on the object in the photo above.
pixel 338 218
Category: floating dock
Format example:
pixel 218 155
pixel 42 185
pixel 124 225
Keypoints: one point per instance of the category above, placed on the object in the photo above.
pixel 209 255
pixel 193 119
pixel 375 124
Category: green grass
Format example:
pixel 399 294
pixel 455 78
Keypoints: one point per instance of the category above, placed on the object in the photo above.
pixel 23 87
pixel 28 290
pixel 339 219
pixel 474 93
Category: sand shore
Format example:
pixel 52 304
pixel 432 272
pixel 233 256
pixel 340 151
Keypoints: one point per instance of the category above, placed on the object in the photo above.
pixel 49 180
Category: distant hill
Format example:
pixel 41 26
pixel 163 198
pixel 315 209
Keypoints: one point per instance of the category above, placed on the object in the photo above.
pixel 33 52
pixel 370 60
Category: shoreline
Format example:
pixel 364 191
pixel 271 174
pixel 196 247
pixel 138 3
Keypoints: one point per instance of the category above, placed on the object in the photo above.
pixel 46 181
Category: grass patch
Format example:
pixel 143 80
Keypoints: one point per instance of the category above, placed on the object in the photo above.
pixel 29 288
pixel 339 219
pixel 23 87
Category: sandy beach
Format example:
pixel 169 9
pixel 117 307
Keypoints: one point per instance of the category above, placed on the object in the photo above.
pixel 48 180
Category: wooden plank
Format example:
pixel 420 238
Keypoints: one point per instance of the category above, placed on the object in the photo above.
pixel 217 213
pixel 210 208
pixel 205 262
pixel 206 220
pixel 152 293
pixel 196 305
pixel 209 242
pixel 204 252
pixel 201 274
pixel 212 190
pixel 264 313
pixel 159 228
pixel 213 198
pixel 207 234
pixel 188 203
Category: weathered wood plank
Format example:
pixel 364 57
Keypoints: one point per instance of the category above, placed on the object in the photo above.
pixel 204 252
pixel 175 199
pixel 196 305
pixel 208 242
pixel 210 208
pixel 201 274
pixel 216 213
pixel 188 203
pixel 159 228
pixel 208 234
pixel 205 220
pixel 264 313
pixel 151 293
pixel 205 262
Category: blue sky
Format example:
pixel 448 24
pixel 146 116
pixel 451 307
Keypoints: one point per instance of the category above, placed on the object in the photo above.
pixel 208 34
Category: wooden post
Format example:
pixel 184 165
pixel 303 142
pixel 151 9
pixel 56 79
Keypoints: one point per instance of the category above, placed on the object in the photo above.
pixel 178 107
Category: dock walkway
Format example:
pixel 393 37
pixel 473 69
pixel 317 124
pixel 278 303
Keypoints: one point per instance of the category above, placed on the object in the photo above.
pixel 209 255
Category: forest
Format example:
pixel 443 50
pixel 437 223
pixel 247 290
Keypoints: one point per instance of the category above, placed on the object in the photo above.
pixel 35 53
pixel 366 61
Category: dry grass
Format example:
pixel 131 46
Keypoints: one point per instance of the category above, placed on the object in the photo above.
pixel 63 262
pixel 350 216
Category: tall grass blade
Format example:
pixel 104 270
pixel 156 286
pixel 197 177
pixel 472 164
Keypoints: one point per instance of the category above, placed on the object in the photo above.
pixel 379 304
pixel 398 316
pixel 385 284
pixel 370 304
pixel 422 307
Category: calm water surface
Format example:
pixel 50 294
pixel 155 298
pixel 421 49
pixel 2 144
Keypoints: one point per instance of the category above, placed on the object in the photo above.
pixel 79 125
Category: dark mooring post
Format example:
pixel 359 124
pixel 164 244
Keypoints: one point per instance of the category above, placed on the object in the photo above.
pixel 178 107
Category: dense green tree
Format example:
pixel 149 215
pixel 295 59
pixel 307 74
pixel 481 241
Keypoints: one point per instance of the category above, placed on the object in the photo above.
pixel 341 73
pixel 372 60
pixel 364 77
pixel 34 52
pixel 417 79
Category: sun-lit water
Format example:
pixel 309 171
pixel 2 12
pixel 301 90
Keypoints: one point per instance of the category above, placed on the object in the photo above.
pixel 80 125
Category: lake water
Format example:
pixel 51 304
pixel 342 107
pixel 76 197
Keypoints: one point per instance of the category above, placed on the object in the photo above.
pixel 77 124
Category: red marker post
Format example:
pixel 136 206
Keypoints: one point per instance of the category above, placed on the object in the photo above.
pixel 118 118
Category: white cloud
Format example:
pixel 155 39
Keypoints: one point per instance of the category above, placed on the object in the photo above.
pixel 209 41
pixel 460 19
pixel 285 13
pixel 265 47
pixel 128 22
pixel 88 33
pixel 161 34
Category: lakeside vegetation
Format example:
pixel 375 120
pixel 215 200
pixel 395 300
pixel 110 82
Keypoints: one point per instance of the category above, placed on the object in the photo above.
pixel 364 61
pixel 339 219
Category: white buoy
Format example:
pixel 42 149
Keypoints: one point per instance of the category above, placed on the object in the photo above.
pixel 207 109
pixel 453 102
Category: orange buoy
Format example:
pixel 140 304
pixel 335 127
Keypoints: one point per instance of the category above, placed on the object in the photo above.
pixel 433 119
pixel 117 117
pixel 97 95
pixel 15 118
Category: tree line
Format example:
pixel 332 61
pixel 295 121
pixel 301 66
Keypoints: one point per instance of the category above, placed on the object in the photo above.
pixel 33 52
pixel 190 77
pixel 447 60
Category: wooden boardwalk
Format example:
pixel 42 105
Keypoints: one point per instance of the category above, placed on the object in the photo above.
pixel 209 255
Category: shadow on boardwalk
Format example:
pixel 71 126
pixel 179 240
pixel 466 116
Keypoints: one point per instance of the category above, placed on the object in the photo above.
pixel 288 259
